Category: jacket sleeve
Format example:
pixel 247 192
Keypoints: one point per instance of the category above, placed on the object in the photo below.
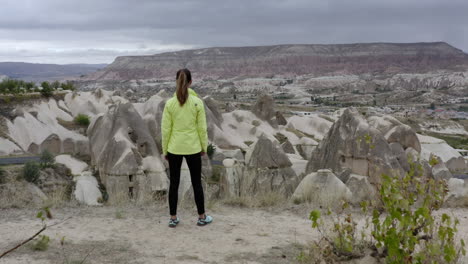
pixel 166 129
pixel 201 127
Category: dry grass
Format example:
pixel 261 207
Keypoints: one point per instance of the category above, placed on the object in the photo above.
pixel 261 200
pixel 59 198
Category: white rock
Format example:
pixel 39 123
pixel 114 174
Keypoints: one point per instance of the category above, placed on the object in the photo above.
pixel 322 188
pixel 76 166
pixel 87 189
pixel 228 163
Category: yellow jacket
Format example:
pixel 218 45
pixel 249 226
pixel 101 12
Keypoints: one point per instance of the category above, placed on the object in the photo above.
pixel 183 128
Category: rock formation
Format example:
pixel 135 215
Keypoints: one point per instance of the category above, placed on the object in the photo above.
pixel 352 143
pixel 268 168
pixel 323 189
pixel 264 108
pixel 125 153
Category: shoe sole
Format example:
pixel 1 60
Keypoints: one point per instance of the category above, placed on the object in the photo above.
pixel 203 224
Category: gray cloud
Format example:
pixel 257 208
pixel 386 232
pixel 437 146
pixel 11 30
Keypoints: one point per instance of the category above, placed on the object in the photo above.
pixel 98 31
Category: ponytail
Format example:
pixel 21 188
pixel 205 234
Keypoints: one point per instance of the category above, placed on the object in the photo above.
pixel 183 79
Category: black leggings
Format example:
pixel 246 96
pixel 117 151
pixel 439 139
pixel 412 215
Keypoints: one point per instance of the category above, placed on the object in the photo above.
pixel 194 163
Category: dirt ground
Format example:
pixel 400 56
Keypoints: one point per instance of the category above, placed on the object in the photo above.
pixel 132 234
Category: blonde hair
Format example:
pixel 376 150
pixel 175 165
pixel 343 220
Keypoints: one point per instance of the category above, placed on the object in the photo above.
pixel 183 80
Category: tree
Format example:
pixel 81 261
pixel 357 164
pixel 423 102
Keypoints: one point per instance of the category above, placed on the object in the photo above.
pixel 55 85
pixel 68 86
pixel 47 90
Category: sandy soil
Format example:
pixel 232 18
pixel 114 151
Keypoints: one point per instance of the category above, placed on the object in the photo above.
pixel 134 234
pixel 140 235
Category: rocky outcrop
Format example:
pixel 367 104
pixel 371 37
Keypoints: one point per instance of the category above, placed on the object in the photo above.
pixel 230 181
pixel 288 147
pixel 56 180
pixel 323 189
pixel 404 135
pixel 125 153
pixel 268 169
pixel 457 164
pixel 264 108
pixel 352 143
pixel 280 120
pixel 87 189
pixel 458 193
pixel 361 189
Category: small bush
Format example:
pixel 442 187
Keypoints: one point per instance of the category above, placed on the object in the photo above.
pixel 2 176
pixel 211 151
pixel 47 159
pixel 40 244
pixel 433 161
pixel 255 123
pixel 403 226
pixel 217 172
pixel 31 172
pixel 82 120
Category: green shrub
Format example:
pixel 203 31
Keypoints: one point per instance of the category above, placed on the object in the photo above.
pixel 2 176
pixel 47 160
pixel 31 172
pixel 40 244
pixel 255 123
pixel 211 150
pixel 47 89
pixel 433 161
pixel 403 226
pixel 82 120
pixel 68 86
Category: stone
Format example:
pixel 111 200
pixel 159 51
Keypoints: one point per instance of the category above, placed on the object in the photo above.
pixel 264 108
pixel 52 144
pixel 352 143
pixel 404 135
pixel 68 146
pixel 230 107
pixel 306 146
pixel 457 165
pixel 440 171
pixel 280 120
pixel 55 180
pixel 322 188
pixel 232 153
pixel 400 155
pixel 34 148
pixel 125 153
pixel 458 193
pixel 383 123
pixel 344 175
pixel 360 188
pixel 264 154
pixel 87 189
pixel 288 147
pixel 230 180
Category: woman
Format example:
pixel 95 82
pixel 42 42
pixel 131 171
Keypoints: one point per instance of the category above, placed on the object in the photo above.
pixel 184 136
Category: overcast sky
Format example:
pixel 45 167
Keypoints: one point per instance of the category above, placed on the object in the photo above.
pixel 96 31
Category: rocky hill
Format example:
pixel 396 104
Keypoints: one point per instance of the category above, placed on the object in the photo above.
pixel 290 60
